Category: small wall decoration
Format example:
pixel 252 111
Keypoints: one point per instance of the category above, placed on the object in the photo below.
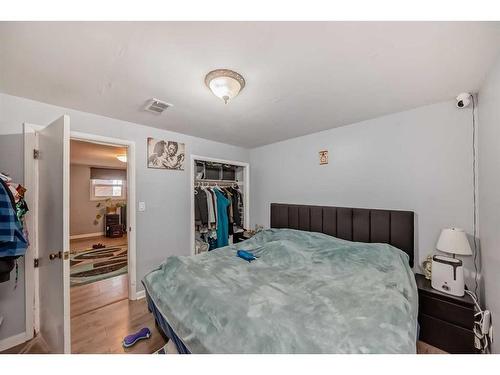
pixel 166 154
pixel 323 157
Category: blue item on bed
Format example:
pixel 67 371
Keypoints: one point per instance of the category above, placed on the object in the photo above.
pixel 246 255
pixel 308 293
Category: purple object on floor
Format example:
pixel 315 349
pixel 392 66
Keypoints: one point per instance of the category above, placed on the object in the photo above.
pixel 130 340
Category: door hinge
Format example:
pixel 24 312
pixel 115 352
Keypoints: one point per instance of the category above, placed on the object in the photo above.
pixel 36 262
pixel 36 154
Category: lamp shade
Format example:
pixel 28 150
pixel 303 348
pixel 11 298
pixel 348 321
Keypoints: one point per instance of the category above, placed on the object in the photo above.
pixel 225 83
pixel 454 241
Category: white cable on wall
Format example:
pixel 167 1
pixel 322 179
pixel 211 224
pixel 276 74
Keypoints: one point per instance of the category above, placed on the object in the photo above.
pixel 474 194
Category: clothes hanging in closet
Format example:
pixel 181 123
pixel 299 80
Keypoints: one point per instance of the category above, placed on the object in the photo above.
pixel 237 204
pixel 212 207
pixel 218 213
pixel 228 194
pixel 223 222
pixel 201 206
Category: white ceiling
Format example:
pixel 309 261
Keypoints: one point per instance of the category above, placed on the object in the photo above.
pixel 302 77
pixel 96 155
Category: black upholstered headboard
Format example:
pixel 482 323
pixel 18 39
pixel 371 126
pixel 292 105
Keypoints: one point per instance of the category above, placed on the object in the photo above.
pixel 353 224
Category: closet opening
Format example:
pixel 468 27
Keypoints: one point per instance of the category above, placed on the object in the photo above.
pixel 219 203
pixel 99 244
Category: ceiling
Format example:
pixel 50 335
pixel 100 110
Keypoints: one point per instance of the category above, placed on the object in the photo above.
pixel 96 155
pixel 301 77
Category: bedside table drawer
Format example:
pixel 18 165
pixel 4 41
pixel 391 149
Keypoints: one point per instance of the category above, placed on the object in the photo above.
pixel 447 311
pixel 446 336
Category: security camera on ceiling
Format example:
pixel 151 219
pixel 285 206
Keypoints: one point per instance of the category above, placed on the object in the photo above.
pixel 463 100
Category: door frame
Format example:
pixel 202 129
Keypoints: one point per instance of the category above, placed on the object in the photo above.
pixel 246 183
pixel 32 296
pixel 131 211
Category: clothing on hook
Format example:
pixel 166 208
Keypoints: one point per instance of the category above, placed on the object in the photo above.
pixel 12 239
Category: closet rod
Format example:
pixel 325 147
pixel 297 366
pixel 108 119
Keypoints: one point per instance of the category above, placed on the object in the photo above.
pixel 217 181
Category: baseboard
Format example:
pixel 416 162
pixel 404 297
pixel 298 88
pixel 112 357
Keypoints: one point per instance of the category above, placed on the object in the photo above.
pixel 11 341
pixel 88 235
pixel 140 294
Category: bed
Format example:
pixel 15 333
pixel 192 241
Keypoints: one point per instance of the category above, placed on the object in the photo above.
pixel 327 280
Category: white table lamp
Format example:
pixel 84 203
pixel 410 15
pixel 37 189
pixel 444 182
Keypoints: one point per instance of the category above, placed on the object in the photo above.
pixel 454 241
pixel 448 273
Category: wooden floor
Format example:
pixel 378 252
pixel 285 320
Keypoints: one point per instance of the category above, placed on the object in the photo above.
pixel 34 346
pixel 102 330
pixel 88 297
pixel 102 315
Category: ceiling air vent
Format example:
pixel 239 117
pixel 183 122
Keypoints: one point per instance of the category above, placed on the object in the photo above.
pixel 157 106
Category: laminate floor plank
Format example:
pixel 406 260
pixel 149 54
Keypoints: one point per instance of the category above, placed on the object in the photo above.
pixel 102 330
pixel 88 297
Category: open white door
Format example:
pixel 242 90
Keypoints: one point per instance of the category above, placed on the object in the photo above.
pixel 53 234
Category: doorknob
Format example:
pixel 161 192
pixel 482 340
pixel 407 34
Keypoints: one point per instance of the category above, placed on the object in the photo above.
pixel 59 255
pixel 53 256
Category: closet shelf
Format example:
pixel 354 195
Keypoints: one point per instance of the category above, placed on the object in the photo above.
pixel 217 181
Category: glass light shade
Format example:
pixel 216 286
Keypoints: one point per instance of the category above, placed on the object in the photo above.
pixel 454 241
pixel 225 88
pixel 225 83
pixel 122 158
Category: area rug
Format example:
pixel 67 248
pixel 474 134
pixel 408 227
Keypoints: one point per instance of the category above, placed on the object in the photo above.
pixel 92 265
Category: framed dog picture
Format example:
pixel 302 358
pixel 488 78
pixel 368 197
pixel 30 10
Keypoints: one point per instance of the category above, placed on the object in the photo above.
pixel 166 154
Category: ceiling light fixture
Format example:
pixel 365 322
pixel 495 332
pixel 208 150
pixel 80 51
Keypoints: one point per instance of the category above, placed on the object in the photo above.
pixel 122 158
pixel 225 83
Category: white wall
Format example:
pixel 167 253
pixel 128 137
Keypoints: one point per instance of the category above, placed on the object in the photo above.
pixel 164 228
pixel 489 193
pixel 417 160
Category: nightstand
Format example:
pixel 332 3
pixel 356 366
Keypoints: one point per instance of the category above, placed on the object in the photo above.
pixel 446 321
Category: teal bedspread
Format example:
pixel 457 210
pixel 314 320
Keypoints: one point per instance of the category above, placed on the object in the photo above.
pixel 306 293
